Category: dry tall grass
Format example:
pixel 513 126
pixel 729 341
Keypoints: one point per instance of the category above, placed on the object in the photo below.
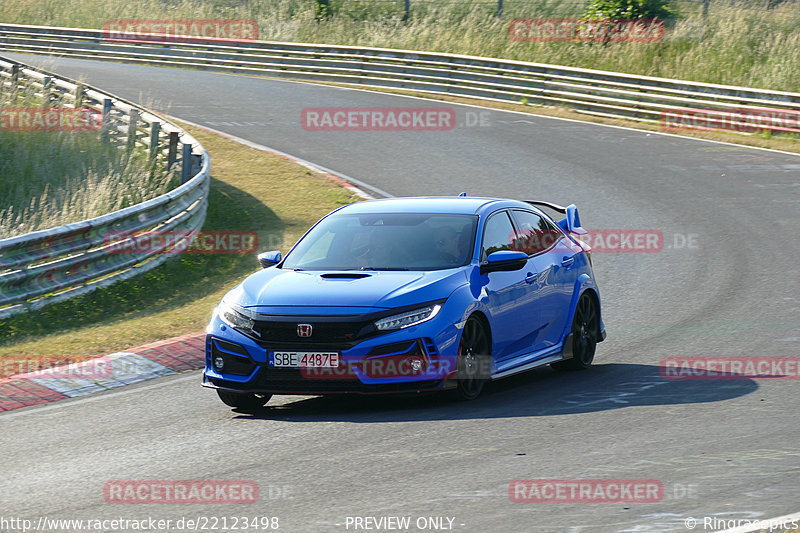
pixel 739 43
pixel 50 178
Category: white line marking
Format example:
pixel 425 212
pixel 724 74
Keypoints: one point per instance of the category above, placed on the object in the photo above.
pixel 524 113
pixel 531 114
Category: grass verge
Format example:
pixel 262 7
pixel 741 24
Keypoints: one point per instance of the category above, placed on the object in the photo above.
pixel 250 190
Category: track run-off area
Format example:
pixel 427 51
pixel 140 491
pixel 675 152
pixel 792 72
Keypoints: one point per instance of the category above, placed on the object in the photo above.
pixel 725 282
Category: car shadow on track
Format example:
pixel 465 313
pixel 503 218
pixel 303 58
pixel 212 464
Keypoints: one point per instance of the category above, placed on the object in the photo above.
pixel 541 392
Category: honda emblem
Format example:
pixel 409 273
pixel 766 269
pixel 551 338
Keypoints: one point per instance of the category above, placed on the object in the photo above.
pixel 303 330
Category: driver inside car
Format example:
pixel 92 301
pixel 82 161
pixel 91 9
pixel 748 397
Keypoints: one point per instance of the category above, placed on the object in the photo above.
pixel 447 244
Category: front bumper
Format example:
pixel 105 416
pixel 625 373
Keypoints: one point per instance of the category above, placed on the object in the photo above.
pixel 415 359
pixel 285 383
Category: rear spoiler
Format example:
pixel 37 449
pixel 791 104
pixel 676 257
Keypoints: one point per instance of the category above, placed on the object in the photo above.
pixel 571 223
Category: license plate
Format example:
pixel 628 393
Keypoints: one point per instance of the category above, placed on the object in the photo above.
pixel 304 359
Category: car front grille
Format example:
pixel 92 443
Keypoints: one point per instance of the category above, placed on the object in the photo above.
pixel 286 332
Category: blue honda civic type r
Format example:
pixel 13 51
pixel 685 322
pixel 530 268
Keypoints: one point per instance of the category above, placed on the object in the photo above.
pixel 406 295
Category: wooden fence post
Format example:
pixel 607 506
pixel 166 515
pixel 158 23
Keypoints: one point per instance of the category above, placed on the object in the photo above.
pixel 155 129
pixel 132 125
pixel 172 150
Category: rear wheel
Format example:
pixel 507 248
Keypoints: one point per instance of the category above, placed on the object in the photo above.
pixel 473 358
pixel 585 332
pixel 243 401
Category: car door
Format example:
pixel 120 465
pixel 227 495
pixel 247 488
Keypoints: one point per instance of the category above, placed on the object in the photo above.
pixel 507 295
pixel 552 257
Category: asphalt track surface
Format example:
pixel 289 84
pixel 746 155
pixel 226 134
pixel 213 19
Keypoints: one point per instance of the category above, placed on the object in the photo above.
pixel 722 449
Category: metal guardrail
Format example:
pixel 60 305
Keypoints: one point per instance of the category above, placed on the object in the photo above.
pixel 595 92
pixel 63 262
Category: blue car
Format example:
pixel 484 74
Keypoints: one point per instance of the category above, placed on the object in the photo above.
pixel 406 295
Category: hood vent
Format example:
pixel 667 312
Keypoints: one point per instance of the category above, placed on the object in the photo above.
pixel 345 275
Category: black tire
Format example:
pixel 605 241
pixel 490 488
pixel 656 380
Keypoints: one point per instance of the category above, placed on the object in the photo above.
pixel 585 332
pixel 245 401
pixel 473 359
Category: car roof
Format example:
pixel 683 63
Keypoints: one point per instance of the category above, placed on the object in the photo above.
pixel 465 205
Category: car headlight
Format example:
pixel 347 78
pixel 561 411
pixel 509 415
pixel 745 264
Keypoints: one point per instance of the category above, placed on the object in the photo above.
pixel 409 318
pixel 236 316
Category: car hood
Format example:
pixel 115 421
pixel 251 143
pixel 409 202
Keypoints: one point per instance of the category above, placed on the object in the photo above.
pixel 278 288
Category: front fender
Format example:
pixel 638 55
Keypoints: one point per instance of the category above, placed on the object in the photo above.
pixel 463 303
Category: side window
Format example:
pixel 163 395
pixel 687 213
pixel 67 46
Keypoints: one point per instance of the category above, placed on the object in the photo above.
pixel 534 233
pixel 498 234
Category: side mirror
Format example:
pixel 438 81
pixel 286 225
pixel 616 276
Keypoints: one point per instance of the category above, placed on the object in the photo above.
pixel 504 261
pixel 268 259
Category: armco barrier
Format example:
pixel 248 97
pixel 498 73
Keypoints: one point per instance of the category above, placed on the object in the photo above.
pixel 59 263
pixel 596 92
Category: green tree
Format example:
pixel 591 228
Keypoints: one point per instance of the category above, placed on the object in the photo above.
pixel 629 9
pixel 323 9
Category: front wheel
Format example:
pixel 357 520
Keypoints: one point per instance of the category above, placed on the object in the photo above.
pixel 585 332
pixel 246 401
pixel 473 359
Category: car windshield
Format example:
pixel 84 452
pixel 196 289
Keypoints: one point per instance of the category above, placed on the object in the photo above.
pixel 386 241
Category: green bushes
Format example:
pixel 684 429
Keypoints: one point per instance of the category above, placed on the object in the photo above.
pixel 629 9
